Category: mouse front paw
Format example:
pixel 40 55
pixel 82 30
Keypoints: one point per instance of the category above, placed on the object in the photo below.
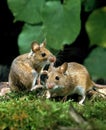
pixel 37 87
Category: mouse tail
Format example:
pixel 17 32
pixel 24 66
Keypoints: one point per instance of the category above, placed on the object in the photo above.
pixel 99 86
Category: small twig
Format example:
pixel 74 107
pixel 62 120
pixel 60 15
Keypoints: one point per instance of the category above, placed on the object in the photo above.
pixel 98 91
pixel 78 118
pixel 68 128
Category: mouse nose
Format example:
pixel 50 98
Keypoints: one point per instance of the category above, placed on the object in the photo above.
pixel 50 85
pixel 52 58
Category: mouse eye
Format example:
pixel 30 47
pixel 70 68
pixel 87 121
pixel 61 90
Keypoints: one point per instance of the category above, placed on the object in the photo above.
pixel 43 54
pixel 57 78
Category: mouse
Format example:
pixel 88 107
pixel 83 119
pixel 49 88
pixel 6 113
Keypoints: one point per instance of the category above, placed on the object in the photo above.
pixel 25 68
pixel 67 79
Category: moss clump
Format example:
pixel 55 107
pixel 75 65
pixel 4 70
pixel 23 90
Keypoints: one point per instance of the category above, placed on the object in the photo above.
pixel 24 111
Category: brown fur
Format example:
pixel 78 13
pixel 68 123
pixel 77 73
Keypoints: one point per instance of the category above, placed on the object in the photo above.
pixel 26 67
pixel 69 77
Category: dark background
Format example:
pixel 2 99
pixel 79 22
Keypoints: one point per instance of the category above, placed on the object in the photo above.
pixel 9 31
pixel 8 39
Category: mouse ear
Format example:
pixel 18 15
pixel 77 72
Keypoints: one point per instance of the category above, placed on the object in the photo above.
pixel 63 67
pixel 43 44
pixel 35 46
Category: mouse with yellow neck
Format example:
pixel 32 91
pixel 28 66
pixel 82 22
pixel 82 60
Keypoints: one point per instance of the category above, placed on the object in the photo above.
pixel 67 79
pixel 25 68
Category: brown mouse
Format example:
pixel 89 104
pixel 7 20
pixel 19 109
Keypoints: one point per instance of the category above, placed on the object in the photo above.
pixel 67 79
pixel 25 68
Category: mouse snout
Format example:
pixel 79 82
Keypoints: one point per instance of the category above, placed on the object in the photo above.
pixel 52 59
pixel 50 85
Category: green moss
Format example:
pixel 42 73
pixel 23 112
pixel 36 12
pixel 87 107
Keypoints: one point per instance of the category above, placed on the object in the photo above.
pixel 24 111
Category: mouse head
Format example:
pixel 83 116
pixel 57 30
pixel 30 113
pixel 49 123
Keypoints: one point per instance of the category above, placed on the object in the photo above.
pixel 56 77
pixel 40 53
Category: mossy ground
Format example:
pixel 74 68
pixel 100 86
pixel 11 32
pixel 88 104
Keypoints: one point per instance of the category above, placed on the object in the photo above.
pixel 25 111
